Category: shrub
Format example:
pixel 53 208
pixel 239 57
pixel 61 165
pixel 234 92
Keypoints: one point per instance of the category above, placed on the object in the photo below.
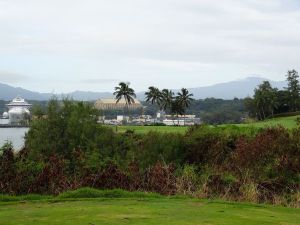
pixel 206 145
pixel 156 146
pixel 188 180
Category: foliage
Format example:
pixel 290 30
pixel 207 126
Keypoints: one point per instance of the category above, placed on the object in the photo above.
pixel 265 100
pixel 154 96
pixel 293 89
pixel 67 150
pixel 268 101
pixel 68 125
pixel 124 91
pixel 210 109
pixel 166 100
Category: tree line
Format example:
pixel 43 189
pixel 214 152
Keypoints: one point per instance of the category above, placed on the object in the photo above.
pixel 269 101
pixel 165 99
pixel 210 110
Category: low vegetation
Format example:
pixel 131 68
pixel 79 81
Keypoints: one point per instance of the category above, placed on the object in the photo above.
pixel 67 150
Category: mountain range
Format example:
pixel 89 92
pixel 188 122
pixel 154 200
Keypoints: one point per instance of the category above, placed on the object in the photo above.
pixel 228 90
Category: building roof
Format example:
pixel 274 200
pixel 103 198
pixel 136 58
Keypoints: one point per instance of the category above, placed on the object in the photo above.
pixel 18 101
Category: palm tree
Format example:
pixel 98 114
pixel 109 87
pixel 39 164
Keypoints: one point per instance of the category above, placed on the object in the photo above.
pixel 124 91
pixel 167 97
pixel 184 99
pixel 153 95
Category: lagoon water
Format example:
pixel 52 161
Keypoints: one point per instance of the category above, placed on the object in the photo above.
pixel 13 135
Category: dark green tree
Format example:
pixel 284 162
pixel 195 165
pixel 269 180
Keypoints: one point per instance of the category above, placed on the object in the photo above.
pixel 282 98
pixel 250 106
pixel 67 126
pixel 265 100
pixel 293 89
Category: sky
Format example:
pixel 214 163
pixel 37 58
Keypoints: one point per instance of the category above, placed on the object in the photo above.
pixel 66 45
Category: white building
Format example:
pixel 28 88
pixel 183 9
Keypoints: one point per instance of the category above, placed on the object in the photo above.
pixel 18 110
pixel 181 120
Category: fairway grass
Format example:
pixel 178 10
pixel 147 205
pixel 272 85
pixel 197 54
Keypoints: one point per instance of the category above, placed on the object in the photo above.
pixel 146 129
pixel 288 122
pixel 142 211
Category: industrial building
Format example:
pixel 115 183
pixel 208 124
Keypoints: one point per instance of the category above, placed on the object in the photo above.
pixel 111 104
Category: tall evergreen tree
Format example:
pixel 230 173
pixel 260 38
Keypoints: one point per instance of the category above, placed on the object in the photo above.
pixel 265 100
pixel 293 89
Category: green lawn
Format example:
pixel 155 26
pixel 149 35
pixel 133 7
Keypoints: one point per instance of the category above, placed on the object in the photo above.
pixel 289 122
pixel 144 211
pixel 146 129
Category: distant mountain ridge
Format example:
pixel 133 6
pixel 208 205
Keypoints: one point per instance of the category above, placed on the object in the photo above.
pixel 239 88
pixel 228 90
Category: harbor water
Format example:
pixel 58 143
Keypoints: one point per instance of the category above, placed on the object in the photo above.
pixel 14 135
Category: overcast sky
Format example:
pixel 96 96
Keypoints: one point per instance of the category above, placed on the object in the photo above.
pixel 66 45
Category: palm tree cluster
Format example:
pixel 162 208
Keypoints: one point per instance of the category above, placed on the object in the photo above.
pixel 164 99
pixel 167 101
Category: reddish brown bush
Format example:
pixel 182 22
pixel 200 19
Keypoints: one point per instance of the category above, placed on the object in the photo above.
pixel 110 177
pixel 52 179
pixel 7 171
pixel 160 178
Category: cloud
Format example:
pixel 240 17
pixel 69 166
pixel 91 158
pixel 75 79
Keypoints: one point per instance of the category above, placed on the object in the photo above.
pixel 206 41
pixel 10 77
pixel 99 81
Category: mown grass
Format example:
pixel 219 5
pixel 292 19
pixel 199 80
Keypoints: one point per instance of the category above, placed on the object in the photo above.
pixel 288 122
pixel 30 197
pixel 115 193
pixel 80 193
pixel 146 129
pixel 92 207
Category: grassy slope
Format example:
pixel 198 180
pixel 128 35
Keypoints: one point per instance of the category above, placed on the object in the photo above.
pixel 144 211
pixel 289 122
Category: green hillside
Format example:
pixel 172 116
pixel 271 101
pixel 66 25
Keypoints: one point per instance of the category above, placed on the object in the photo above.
pixel 289 122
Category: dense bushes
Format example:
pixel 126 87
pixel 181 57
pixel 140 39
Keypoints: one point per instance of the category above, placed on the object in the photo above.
pixel 223 162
